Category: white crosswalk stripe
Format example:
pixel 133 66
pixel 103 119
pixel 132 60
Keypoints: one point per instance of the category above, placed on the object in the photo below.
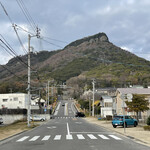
pixel 23 139
pixel 57 137
pixel 70 137
pixel 46 138
pixel 103 137
pixel 115 137
pixel 91 136
pixel 34 138
pixel 80 136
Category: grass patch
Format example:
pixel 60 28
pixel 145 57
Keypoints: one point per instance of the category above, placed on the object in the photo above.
pixel 147 128
pixel 14 128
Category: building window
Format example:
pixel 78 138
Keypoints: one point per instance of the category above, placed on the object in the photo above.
pixel 20 102
pixel 15 98
pixel 5 100
pixel 108 104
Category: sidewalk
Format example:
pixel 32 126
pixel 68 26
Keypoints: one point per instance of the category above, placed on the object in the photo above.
pixel 136 133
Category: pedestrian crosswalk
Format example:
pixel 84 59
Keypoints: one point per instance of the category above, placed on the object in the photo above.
pixel 64 117
pixel 69 137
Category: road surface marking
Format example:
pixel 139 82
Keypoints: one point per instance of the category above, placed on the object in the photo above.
pixel 66 109
pixel 46 138
pixel 80 136
pixel 78 122
pixel 115 137
pixel 23 138
pixel 56 111
pixel 103 136
pixel 57 137
pixel 34 138
pixel 53 127
pixel 69 137
pixel 68 129
pixel 91 136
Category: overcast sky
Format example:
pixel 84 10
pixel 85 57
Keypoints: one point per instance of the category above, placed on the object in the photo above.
pixel 126 23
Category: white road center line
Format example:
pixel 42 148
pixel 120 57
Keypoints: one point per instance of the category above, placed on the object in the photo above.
pixel 80 136
pixel 34 138
pixel 91 136
pixel 57 137
pixel 66 109
pixel 68 129
pixel 46 138
pixel 115 137
pixel 103 136
pixel 23 138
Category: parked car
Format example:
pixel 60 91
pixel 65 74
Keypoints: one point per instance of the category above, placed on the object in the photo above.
pixel 1 120
pixel 63 104
pixel 119 121
pixel 37 118
pixel 80 114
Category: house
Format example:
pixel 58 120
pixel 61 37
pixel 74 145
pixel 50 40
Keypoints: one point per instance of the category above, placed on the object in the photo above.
pixel 13 100
pixel 128 92
pixel 18 100
pixel 108 107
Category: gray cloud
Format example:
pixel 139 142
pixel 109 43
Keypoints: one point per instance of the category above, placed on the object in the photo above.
pixel 126 22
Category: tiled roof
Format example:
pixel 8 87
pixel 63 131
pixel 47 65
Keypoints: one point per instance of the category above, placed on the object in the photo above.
pixel 134 90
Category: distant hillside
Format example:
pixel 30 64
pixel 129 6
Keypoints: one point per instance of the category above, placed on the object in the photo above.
pixel 92 56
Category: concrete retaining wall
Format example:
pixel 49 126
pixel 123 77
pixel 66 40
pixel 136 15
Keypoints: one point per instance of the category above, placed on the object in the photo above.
pixel 8 119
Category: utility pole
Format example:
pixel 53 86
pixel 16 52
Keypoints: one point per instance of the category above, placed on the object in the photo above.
pixel 93 96
pixel 29 76
pixel 29 82
pixel 48 98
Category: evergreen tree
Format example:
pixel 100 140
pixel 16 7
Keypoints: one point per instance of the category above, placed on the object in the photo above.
pixel 138 104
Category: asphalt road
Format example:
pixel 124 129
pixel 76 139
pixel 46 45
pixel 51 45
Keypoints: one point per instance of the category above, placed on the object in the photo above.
pixel 66 132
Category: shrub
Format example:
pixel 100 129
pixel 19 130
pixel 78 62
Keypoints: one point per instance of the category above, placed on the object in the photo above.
pixel 147 128
pixel 148 120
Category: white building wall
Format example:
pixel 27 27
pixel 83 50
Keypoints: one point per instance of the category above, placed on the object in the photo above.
pixel 106 111
pixel 13 100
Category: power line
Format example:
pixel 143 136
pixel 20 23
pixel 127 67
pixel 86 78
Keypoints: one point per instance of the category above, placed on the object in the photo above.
pixel 54 39
pixel 6 13
pixel 19 40
pixel 13 52
pixel 11 72
pixel 26 14
pixel 52 43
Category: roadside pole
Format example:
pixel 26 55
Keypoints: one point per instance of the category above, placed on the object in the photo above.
pixel 93 96
pixel 29 77
pixel 124 116
pixel 29 74
pixel 48 99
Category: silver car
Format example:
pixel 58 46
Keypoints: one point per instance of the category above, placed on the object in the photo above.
pixel 37 118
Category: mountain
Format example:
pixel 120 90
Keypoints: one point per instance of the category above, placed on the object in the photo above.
pixel 93 56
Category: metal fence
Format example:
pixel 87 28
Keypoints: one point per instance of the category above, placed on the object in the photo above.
pixel 6 111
